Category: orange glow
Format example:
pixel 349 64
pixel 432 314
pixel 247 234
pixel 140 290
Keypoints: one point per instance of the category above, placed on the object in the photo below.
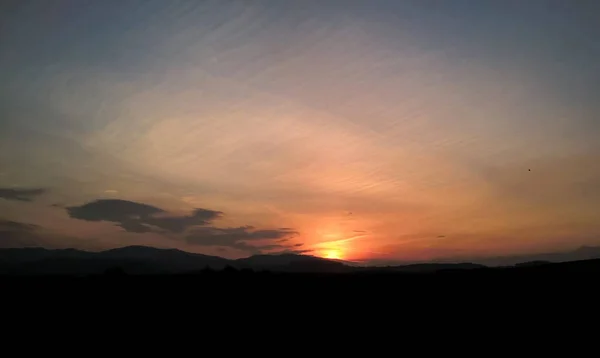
pixel 334 254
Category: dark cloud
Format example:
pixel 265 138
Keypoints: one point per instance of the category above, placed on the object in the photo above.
pixel 257 249
pixel 112 210
pixel 140 218
pixel 21 194
pixel 296 252
pixel 179 224
pixel 228 236
pixel 239 237
pixel 135 226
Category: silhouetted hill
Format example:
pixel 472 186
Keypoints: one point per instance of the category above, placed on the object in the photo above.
pixel 532 263
pixel 428 268
pixel 168 259
pixel 292 263
pixel 132 259
pixel 555 269
pixel 148 260
pixel 582 253
pixel 143 259
pixel 80 267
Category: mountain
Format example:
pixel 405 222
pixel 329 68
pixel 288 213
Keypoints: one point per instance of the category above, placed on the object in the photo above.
pixel 292 263
pixel 429 267
pixel 582 253
pixel 132 259
pixel 149 260
pixel 170 259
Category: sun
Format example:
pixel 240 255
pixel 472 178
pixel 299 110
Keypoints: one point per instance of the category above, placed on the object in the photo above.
pixel 333 254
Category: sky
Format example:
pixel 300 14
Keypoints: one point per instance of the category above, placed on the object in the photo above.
pixel 361 130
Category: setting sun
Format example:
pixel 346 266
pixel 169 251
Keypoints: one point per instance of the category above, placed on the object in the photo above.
pixel 332 254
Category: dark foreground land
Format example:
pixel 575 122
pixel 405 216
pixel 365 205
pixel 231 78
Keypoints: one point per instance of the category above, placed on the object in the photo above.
pixel 247 300
pixel 147 280
pixel 580 275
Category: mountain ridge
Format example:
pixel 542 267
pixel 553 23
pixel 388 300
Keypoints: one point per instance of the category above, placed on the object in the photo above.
pixel 145 259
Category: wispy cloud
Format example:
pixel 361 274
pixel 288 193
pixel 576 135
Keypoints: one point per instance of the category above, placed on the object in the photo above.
pixel 21 194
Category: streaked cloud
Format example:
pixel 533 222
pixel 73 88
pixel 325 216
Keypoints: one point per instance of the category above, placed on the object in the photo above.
pixel 21 194
pixel 241 238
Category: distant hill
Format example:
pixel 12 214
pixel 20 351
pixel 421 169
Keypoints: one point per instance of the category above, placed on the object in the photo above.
pixel 591 266
pixel 292 263
pixel 132 259
pixel 582 253
pixel 532 263
pixel 429 268
pixel 149 260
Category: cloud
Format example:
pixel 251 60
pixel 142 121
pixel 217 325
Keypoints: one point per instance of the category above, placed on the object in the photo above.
pixel 294 249
pixel 21 194
pixel 239 237
pixel 114 210
pixel 138 217
pixel 296 252
pixel 179 224
pixel 196 227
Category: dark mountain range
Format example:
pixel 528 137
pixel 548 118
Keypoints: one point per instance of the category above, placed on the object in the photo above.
pixel 149 260
pixel 132 259
pixel 582 253
pixel 142 259
pixel 292 263
pixel 428 268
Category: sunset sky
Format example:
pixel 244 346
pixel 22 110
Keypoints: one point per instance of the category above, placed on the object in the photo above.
pixel 362 130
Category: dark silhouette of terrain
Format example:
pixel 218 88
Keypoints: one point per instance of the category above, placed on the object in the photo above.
pixel 148 260
pixel 143 279
pixel 582 253
pixel 142 260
